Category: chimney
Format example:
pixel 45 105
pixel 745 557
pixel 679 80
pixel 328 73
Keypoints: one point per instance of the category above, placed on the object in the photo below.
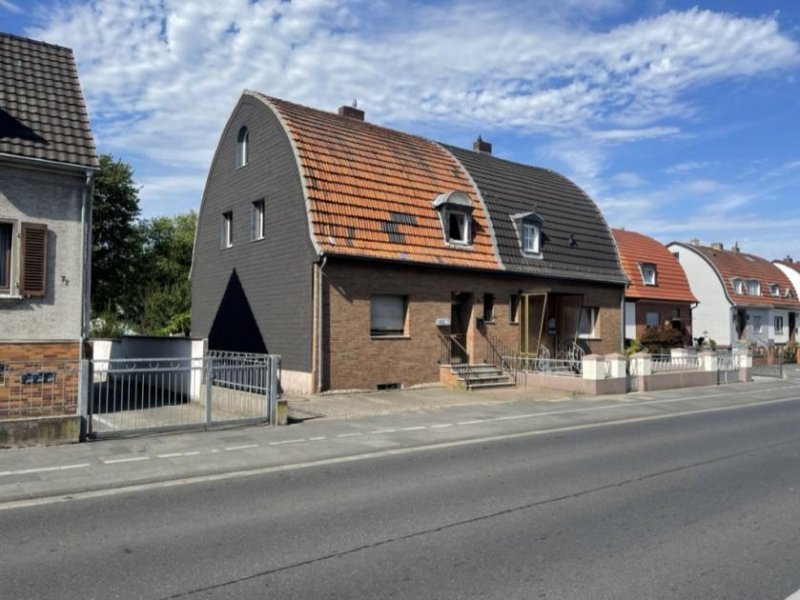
pixel 352 112
pixel 695 242
pixel 717 246
pixel 788 259
pixel 480 146
pixel 735 246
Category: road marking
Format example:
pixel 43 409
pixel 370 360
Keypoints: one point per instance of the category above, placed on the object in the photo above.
pixel 177 454
pixel 384 431
pixel 114 461
pixel 343 435
pixel 367 456
pixel 242 447
pixel 441 425
pixel 473 422
pixel 317 439
pixel 417 428
pixel 286 442
pixel 44 469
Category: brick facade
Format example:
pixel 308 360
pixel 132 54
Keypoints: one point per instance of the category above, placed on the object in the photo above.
pixel 666 312
pixel 39 379
pixel 355 360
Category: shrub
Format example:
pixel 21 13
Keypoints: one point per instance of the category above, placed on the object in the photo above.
pixel 656 338
pixel 790 352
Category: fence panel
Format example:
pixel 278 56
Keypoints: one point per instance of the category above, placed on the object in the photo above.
pixel 133 395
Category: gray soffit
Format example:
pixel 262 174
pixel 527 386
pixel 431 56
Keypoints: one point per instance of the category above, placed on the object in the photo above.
pixel 577 243
pixel 42 112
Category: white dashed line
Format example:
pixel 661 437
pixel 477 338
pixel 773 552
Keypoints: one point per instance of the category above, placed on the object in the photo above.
pixel 317 439
pixel 343 435
pixel 178 454
pixel 114 461
pixel 384 431
pixel 44 469
pixel 441 425
pixel 286 442
pixel 510 417
pixel 242 447
pixel 474 422
pixel 413 428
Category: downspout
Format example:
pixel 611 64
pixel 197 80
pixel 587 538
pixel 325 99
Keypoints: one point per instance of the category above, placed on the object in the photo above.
pixel 622 322
pixel 86 257
pixel 320 301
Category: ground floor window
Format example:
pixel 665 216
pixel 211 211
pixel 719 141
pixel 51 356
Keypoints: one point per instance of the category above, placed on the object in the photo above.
pixel 488 307
pixel 513 309
pixel 651 319
pixel 756 324
pixel 588 323
pixel 778 325
pixel 388 315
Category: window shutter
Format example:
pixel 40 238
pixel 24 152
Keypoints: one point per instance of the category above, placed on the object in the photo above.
pixel 33 259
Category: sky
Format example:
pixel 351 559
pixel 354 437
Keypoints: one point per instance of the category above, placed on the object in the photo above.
pixel 680 119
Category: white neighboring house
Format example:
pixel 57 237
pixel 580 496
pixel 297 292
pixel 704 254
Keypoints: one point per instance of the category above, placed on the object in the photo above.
pixel 791 269
pixel 742 296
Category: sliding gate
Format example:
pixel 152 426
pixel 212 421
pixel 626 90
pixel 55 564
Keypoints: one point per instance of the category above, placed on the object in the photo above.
pixel 126 396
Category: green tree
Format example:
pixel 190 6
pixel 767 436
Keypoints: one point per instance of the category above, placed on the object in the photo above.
pixel 116 243
pixel 167 252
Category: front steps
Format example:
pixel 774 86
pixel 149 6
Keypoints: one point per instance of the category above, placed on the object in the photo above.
pixel 481 376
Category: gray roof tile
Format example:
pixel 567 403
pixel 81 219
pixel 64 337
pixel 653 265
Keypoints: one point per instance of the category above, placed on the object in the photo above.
pixel 577 241
pixel 42 111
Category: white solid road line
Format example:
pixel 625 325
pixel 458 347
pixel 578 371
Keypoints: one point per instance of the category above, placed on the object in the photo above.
pixel 344 435
pixel 45 469
pixel 369 456
pixel 114 461
pixel 242 447
pixel 177 454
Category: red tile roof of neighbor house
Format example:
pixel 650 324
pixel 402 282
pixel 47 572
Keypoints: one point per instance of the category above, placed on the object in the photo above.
pixel 788 262
pixel 734 264
pixel 636 249
pixel 370 190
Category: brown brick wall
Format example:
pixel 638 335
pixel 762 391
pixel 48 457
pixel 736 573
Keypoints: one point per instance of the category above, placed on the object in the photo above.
pixel 355 360
pixel 664 310
pixel 38 399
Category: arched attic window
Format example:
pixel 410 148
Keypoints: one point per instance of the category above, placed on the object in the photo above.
pixel 242 147
pixel 529 230
pixel 455 212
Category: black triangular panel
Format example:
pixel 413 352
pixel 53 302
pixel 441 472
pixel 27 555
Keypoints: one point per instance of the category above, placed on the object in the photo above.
pixel 235 328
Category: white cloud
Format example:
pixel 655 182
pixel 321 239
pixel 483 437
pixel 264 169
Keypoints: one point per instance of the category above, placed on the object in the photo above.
pixel 10 6
pixel 628 180
pixel 688 166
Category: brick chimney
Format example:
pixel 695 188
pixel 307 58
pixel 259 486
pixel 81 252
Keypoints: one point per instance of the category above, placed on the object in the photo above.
pixel 481 146
pixel 736 246
pixel 717 246
pixel 352 112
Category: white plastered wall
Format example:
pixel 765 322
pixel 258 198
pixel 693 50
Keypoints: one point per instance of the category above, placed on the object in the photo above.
pixel 630 320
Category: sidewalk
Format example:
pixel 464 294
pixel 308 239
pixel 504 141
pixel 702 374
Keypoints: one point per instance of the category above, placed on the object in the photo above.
pixel 160 461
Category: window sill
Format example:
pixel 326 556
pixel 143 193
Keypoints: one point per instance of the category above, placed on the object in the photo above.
pixel 261 239
pixel 10 297
pixel 390 337
pixel 458 245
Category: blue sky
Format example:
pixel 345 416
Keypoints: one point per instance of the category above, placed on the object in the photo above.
pixel 680 119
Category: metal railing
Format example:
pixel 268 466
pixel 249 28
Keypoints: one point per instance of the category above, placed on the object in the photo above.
pixel 551 366
pixel 127 395
pixel 39 388
pixel 498 353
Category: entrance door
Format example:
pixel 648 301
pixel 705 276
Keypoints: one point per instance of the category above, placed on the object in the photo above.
pixel 741 322
pixel 460 305
pixel 792 325
pixel 532 311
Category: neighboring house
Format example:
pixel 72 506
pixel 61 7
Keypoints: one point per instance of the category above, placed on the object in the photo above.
pixel 47 164
pixel 659 292
pixel 366 257
pixel 791 269
pixel 742 297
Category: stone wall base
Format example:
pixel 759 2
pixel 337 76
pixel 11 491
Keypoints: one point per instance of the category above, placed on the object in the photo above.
pixel 40 430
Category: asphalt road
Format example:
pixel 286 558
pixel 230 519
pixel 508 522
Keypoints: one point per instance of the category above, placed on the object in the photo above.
pixel 702 506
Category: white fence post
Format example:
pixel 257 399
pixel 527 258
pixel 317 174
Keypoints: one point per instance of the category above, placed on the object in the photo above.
pixel 209 391
pixel 708 361
pixel 272 394
pixel 594 367
pixel 642 365
pixel 616 362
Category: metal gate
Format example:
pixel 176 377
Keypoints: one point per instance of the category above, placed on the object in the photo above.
pixel 126 396
pixel 767 362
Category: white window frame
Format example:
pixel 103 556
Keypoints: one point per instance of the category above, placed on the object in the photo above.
pixel 739 287
pixel 226 234
pixel 775 290
pixel 464 220
pixel 649 269
pixel 388 315
pixel 455 205
pixel 13 259
pixel 753 287
pixel 531 238
pixel 592 313
pixel 779 325
pixel 258 220
pixel 242 147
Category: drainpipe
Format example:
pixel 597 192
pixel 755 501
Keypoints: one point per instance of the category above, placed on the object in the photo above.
pixel 86 256
pixel 320 301
pixel 622 323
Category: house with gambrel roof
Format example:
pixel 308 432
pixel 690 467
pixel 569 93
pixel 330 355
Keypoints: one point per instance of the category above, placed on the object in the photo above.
pixel 659 293
pixel 791 268
pixel 742 297
pixel 368 257
pixel 47 164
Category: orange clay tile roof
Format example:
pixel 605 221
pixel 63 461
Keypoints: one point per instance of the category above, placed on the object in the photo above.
pixel 636 249
pixel 370 190
pixel 733 264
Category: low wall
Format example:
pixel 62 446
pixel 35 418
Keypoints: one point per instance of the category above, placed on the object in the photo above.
pixel 676 380
pixel 40 430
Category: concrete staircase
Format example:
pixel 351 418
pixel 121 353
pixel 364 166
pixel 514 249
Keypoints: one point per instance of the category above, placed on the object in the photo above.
pixel 481 376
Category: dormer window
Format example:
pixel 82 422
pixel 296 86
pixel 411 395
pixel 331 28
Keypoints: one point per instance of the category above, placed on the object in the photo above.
pixel 649 273
pixel 753 287
pixel 242 147
pixel 738 286
pixel 775 290
pixel 455 212
pixel 529 229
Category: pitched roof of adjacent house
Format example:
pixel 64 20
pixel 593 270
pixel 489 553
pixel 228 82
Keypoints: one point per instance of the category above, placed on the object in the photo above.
pixel 635 250
pixel 788 262
pixel 733 265
pixel 370 190
pixel 576 240
pixel 42 111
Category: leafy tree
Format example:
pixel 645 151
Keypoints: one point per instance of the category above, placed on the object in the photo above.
pixel 116 242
